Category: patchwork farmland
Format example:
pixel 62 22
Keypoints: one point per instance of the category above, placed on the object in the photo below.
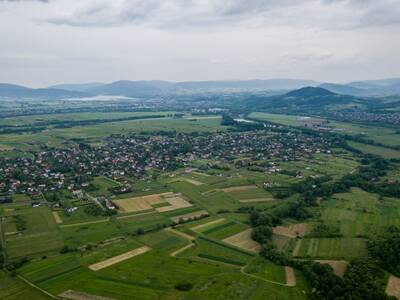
pixel 197 227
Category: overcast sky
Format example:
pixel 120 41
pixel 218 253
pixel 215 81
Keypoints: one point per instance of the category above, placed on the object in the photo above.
pixel 73 41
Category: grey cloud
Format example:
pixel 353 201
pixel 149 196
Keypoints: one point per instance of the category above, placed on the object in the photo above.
pixel 187 13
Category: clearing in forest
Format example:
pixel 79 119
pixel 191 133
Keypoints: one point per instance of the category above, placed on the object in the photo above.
pixel 243 240
pixel 116 259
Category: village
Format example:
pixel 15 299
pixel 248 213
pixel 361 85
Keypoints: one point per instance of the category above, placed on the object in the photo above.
pixel 135 156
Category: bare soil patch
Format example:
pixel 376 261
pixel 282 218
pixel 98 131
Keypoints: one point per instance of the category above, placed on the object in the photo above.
pixel 238 188
pixel 190 216
pixel 256 200
pixel 393 287
pixel 207 224
pixel 290 277
pixel 243 240
pixel 116 259
pixel 339 266
pixel 74 295
pixel 292 231
pixel 175 202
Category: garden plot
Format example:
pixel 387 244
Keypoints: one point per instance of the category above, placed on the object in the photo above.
pixel 116 259
pixel 243 240
pixel 292 231
pixel 141 203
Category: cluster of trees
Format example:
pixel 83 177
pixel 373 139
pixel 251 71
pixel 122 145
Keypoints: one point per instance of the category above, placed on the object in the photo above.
pixel 96 210
pixel 385 249
pixel 294 210
pixel 262 222
pixel 322 230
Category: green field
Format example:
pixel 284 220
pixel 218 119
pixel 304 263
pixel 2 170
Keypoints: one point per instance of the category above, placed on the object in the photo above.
pixel 384 135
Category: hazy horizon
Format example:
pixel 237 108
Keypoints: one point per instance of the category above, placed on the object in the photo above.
pixel 48 42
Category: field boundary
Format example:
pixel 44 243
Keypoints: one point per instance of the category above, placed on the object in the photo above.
pixel 37 287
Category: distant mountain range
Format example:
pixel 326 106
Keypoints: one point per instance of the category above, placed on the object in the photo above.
pixel 155 88
pixel 17 91
pixel 151 88
pixel 369 88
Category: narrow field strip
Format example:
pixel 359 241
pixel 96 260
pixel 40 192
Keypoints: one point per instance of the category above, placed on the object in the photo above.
pixel 290 277
pixel 189 216
pixel 192 181
pixel 57 217
pixel 179 251
pixel 238 188
pixel 136 215
pixel 202 174
pixel 256 200
pixel 85 223
pixel 116 259
pixel 207 224
pixel 296 249
pixel 74 295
